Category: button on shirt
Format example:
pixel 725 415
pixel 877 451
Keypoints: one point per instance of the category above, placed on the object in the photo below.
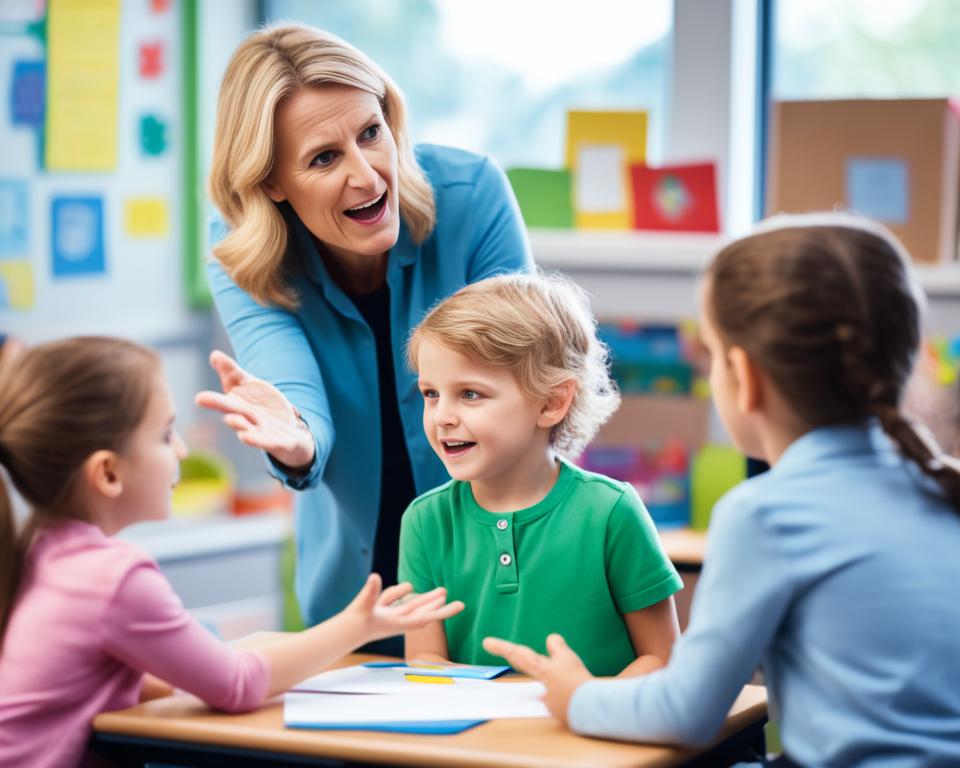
pixel 573 563
pixel 838 570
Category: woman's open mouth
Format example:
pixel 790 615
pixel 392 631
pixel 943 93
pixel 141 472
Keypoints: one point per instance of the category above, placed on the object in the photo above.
pixel 369 212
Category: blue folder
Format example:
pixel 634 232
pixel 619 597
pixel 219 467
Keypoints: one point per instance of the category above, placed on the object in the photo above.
pixel 430 727
pixel 471 672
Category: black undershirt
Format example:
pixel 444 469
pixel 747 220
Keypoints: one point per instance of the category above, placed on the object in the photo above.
pixel 396 479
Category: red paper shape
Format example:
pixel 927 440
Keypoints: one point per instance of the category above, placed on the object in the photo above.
pixel 151 60
pixel 159 6
pixel 675 198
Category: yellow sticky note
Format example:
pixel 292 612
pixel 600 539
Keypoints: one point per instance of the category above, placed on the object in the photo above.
pixel 429 679
pixel 601 147
pixel 83 77
pixel 17 289
pixel 146 217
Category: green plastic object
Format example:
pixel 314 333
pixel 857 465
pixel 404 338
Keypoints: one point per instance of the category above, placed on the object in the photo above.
pixel 545 197
pixel 714 471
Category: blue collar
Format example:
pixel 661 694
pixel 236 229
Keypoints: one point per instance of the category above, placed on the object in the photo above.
pixel 402 255
pixel 833 442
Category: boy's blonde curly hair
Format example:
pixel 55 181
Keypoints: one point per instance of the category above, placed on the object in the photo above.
pixel 541 328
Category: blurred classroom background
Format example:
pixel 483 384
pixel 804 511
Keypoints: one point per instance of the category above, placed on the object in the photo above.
pixel 638 136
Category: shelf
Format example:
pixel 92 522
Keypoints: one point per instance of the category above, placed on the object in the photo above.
pixel 579 250
pixel 671 253
pixel 177 538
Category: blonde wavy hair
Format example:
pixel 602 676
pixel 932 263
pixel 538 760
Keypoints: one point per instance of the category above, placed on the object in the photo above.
pixel 541 328
pixel 269 66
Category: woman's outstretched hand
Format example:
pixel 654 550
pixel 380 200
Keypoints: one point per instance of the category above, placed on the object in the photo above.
pixel 385 613
pixel 259 413
pixel 562 672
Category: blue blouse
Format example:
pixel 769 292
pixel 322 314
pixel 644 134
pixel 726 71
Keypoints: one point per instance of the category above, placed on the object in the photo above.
pixel 838 571
pixel 323 358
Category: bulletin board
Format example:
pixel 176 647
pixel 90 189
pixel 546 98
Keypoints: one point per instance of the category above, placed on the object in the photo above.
pixel 100 193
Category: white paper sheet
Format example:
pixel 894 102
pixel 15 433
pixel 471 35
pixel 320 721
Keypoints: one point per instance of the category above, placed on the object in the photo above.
pixel 388 680
pixel 483 700
pixel 600 178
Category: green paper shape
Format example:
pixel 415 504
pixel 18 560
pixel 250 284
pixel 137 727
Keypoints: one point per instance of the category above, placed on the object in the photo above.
pixel 545 196
pixel 714 471
pixel 153 135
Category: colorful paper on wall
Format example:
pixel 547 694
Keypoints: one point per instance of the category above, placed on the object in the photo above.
pixel 23 11
pixel 77 236
pixel 679 198
pixel 600 148
pixel 545 196
pixel 600 186
pixel 151 60
pixel 27 94
pixel 14 218
pixel 153 135
pixel 146 217
pixel 17 290
pixel 82 85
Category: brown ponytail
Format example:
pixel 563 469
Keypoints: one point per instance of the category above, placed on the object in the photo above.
pixel 827 306
pixel 59 403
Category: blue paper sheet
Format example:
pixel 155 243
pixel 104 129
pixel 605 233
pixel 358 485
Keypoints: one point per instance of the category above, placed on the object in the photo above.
pixel 437 727
pixel 470 672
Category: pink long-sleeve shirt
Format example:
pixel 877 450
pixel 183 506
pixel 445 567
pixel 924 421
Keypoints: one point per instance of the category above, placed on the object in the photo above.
pixel 94 613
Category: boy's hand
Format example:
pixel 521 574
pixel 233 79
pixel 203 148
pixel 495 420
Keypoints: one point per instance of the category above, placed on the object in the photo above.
pixel 562 672
pixel 380 614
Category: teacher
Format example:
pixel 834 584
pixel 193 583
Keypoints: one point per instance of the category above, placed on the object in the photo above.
pixel 337 236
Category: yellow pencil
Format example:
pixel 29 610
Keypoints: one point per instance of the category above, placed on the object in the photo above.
pixel 429 679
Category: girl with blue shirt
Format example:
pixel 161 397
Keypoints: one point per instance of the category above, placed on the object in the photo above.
pixel 836 571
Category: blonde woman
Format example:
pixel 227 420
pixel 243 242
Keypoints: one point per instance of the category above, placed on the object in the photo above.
pixel 337 236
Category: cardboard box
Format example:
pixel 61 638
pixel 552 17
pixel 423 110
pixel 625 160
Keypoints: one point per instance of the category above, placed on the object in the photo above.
pixel 897 161
pixel 648 419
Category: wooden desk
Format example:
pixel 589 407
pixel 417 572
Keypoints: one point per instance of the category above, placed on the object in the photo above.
pixel 685 548
pixel 180 728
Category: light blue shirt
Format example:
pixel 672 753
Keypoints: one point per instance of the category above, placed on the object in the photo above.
pixel 323 358
pixel 838 570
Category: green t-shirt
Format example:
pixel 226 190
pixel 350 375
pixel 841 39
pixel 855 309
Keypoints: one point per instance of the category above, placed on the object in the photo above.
pixel 573 563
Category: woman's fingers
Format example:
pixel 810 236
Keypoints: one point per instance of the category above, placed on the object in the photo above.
pixel 230 373
pixel 217 401
pixel 237 422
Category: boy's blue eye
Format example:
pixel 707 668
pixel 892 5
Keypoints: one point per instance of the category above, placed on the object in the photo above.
pixel 371 132
pixel 429 394
pixel 471 394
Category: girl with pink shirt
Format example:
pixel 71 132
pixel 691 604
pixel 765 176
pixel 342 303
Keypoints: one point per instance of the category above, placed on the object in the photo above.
pixel 87 622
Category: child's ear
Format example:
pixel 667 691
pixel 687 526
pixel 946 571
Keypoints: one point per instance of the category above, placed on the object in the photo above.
pixel 557 404
pixel 748 381
pixel 103 473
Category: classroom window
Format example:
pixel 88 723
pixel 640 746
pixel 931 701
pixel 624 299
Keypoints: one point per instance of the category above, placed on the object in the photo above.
pixel 831 49
pixel 497 77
